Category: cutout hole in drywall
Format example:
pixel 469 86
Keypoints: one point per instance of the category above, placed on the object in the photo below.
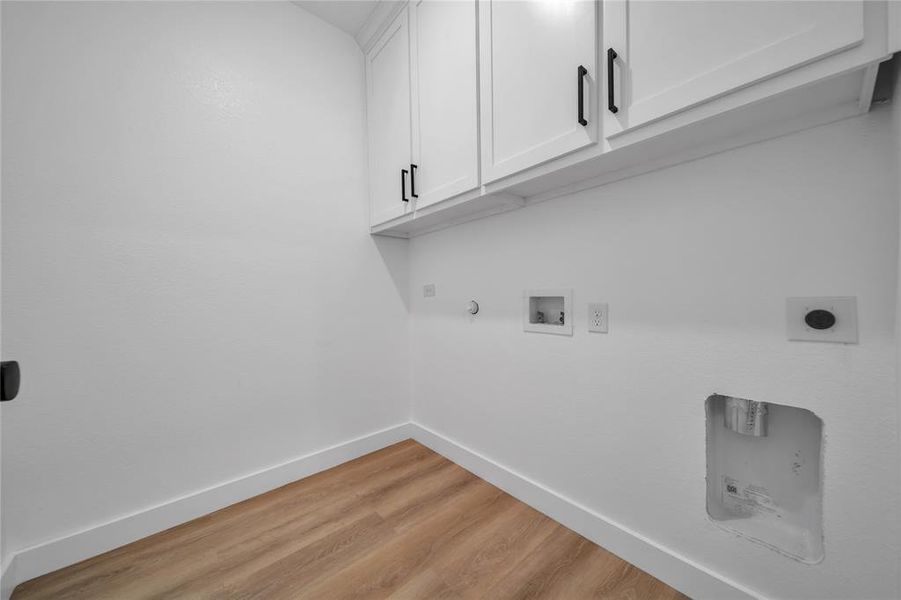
pixel 764 474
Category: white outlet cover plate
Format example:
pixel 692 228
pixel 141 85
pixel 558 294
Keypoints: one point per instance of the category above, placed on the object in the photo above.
pixel 601 309
pixel 843 307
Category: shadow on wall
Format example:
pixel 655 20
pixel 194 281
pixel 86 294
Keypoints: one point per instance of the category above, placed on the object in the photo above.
pixel 395 255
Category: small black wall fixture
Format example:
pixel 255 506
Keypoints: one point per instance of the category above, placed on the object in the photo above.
pixel 9 380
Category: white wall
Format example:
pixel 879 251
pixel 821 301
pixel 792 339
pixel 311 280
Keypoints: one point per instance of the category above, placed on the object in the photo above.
pixel 188 279
pixel 696 262
pixel 190 288
pixel 896 122
pixel 2 537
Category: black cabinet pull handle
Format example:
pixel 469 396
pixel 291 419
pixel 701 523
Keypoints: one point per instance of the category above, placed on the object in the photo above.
pixel 413 180
pixel 582 73
pixel 403 185
pixel 611 100
pixel 9 380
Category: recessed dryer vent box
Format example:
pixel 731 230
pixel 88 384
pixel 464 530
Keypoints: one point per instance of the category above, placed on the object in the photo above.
pixel 548 311
pixel 830 319
pixel 764 474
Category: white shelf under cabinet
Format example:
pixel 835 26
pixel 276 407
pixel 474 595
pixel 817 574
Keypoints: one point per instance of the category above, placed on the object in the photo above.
pixel 826 101
pixel 466 207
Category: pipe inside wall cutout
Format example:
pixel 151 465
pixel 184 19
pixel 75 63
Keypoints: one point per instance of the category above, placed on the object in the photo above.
pixel 747 417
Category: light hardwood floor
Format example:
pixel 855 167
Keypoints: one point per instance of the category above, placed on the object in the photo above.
pixel 403 522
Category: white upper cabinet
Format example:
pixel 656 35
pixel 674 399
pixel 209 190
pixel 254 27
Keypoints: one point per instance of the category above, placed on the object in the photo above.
pixel 535 58
pixel 422 108
pixel 445 99
pixel 480 106
pixel 388 116
pixel 671 55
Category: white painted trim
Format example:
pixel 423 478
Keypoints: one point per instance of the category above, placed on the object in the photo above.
pixel 667 565
pixel 8 578
pixel 808 120
pixel 663 563
pixel 379 19
pixel 868 87
pixel 894 26
pixel 43 558
pixel 494 209
pixel 468 206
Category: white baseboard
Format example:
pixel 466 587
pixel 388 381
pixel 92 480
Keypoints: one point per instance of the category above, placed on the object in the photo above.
pixel 41 559
pixel 665 564
pixel 8 578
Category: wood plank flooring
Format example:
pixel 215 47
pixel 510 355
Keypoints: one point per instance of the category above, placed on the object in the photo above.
pixel 403 522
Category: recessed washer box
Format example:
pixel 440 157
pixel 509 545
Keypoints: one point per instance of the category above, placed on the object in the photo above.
pixel 548 311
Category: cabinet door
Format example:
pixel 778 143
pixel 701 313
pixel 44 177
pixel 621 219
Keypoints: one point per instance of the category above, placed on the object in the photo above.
pixel 445 99
pixel 388 117
pixel 675 54
pixel 530 54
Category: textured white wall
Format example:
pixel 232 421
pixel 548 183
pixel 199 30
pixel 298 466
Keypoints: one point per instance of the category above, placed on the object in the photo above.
pixel 188 278
pixel 190 288
pixel 896 121
pixel 2 537
pixel 696 262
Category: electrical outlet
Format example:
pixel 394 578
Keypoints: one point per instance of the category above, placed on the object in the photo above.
pixel 597 317
pixel 428 290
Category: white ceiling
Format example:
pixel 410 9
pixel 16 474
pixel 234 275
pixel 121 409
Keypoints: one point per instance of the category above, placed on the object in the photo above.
pixel 347 15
